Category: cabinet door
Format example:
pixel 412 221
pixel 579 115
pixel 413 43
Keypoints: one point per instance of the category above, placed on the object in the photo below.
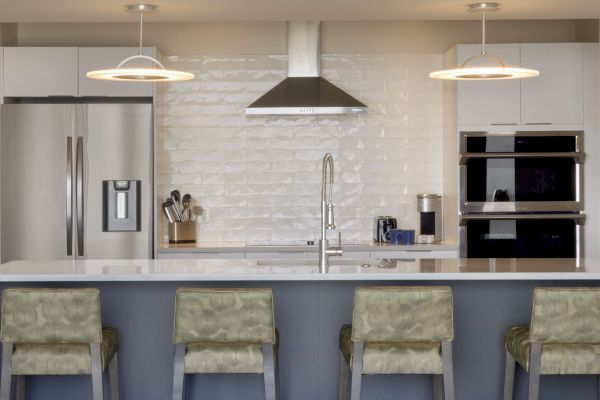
pixel 556 96
pixel 490 102
pixel 40 71
pixel 95 58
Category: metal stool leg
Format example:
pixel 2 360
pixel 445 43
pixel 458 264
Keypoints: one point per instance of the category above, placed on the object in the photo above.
pixel 269 371
pixel 448 370
pixel 509 376
pixel 344 372
pixel 178 371
pixel 7 351
pixel 535 362
pixel 113 377
pixel 97 389
pixel 357 363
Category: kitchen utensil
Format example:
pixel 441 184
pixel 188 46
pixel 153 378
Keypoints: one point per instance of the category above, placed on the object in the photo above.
pixel 176 197
pixel 382 225
pixel 169 210
pixel 186 202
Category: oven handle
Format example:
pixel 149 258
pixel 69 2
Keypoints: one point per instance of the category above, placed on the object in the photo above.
pixel 578 218
pixel 577 155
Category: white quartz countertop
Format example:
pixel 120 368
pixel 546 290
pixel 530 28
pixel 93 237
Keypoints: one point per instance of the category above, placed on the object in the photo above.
pixel 209 270
pixel 243 247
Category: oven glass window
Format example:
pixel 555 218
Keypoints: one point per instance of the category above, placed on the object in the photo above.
pixel 521 179
pixel 521 238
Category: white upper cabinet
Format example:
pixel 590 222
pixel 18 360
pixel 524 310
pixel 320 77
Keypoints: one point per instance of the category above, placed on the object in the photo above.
pixel 556 96
pixel 94 58
pixel 40 71
pixel 490 102
pixel 61 71
pixel 553 100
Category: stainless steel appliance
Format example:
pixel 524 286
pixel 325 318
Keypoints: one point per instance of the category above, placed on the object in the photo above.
pixel 521 194
pixel 381 228
pixel 429 207
pixel 521 235
pixel 76 181
pixel 521 171
pixel 304 91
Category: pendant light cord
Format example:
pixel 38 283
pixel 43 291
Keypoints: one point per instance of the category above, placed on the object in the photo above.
pixel 483 51
pixel 141 52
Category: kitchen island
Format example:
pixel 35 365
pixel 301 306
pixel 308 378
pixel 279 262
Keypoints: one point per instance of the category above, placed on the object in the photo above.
pixel 138 296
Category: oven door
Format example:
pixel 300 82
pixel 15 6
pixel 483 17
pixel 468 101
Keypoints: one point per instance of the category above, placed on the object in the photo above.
pixel 521 172
pixel 521 235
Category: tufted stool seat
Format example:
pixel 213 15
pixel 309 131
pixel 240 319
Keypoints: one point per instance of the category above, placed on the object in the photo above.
pixel 56 332
pixel 224 331
pixel 563 337
pixel 398 330
pixel 394 358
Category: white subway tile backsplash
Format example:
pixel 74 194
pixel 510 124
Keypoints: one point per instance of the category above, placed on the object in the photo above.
pixel 259 177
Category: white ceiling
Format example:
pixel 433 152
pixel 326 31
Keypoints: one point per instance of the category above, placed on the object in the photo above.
pixel 281 10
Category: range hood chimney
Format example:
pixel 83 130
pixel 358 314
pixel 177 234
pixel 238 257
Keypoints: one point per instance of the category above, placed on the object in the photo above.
pixel 304 91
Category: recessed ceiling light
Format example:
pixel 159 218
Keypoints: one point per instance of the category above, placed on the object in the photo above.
pixel 128 74
pixel 484 66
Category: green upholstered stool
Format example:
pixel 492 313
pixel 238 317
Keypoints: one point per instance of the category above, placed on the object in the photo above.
pixel 399 330
pixel 563 337
pixel 224 331
pixel 56 332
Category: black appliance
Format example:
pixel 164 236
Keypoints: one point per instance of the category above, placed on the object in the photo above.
pixel 521 194
pixel 382 226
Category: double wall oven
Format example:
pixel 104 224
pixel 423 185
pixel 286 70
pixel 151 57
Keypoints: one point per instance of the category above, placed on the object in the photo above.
pixel 521 194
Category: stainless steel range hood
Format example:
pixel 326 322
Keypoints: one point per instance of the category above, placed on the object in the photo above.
pixel 304 91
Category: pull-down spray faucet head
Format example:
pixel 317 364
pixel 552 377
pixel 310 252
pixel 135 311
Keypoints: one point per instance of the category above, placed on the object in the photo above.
pixel 326 197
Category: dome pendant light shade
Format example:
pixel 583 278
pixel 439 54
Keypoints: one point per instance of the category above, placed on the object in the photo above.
pixel 139 74
pixel 484 66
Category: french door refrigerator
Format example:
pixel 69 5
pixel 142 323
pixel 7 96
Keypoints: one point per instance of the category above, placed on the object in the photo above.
pixel 76 181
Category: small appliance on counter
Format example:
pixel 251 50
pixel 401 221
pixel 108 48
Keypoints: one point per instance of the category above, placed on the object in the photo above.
pixel 381 228
pixel 181 213
pixel 429 207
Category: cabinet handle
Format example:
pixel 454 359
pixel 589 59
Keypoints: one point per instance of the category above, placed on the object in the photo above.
pixel 538 123
pixel 506 123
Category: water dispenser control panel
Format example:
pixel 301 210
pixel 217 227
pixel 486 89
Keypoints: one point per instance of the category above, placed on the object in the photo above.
pixel 121 206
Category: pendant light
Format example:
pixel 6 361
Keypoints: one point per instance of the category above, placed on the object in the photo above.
pixel 130 74
pixel 484 66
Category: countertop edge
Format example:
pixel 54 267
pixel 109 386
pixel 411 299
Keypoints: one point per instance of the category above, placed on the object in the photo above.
pixel 306 248
pixel 333 277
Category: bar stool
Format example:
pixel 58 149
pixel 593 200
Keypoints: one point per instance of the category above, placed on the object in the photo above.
pixel 399 330
pixel 230 331
pixel 56 332
pixel 562 339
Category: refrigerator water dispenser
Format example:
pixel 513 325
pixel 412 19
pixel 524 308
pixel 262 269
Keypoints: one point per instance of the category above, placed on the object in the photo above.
pixel 121 206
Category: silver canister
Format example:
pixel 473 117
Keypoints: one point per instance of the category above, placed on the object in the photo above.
pixel 182 232
pixel 429 207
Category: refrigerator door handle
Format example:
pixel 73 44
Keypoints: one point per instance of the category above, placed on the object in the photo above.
pixel 69 209
pixel 80 205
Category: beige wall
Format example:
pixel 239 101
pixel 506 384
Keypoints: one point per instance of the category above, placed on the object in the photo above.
pixel 337 37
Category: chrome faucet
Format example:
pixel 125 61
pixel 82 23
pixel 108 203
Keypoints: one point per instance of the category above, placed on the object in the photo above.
pixel 327 220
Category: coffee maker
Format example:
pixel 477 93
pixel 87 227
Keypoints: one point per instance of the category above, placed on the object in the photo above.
pixel 429 207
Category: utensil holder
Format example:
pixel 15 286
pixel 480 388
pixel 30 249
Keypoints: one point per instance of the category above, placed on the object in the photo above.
pixel 182 232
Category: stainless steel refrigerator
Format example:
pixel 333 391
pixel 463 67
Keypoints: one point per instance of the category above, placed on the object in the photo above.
pixel 76 181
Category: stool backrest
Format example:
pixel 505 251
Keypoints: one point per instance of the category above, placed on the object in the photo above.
pixel 565 315
pixel 224 315
pixel 51 316
pixel 402 314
